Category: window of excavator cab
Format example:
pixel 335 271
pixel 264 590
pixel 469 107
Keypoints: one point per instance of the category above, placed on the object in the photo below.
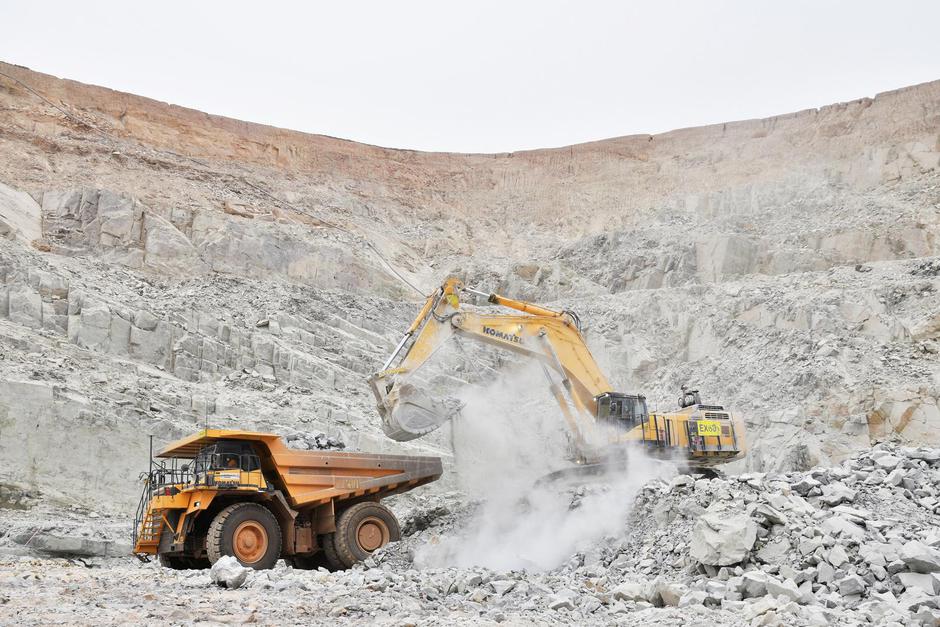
pixel 625 409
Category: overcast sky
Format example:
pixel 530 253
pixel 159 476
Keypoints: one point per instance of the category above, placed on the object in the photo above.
pixel 483 76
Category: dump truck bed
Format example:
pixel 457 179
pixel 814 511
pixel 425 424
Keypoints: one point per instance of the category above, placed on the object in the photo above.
pixel 310 478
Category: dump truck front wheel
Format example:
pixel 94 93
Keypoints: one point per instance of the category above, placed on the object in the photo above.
pixel 248 531
pixel 362 529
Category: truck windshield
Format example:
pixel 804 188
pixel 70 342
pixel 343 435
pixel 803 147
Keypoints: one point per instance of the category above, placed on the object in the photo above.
pixel 225 455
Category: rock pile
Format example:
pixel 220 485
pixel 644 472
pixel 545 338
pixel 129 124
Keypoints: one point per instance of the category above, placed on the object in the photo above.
pixel 852 544
pixel 859 542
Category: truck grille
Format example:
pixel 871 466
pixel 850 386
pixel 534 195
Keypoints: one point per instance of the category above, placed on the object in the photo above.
pixel 715 416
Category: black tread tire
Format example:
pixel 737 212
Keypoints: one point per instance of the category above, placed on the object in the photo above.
pixel 329 552
pixel 222 528
pixel 174 562
pixel 345 540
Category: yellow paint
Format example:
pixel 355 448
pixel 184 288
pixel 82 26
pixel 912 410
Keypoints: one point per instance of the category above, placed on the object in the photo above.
pixel 709 428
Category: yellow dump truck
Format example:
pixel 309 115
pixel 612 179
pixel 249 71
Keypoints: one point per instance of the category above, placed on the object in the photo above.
pixel 248 495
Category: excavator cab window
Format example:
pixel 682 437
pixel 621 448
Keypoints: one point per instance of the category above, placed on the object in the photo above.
pixel 621 410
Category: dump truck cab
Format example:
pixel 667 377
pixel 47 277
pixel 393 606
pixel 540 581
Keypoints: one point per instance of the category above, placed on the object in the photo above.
pixel 248 495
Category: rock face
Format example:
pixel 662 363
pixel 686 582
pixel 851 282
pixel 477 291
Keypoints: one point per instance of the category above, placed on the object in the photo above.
pixel 787 267
pixel 722 536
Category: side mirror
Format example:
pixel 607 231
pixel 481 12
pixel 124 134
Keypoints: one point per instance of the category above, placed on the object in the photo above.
pixel 184 468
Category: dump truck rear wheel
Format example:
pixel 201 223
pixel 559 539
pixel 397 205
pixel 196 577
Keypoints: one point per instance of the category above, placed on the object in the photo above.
pixel 362 529
pixel 329 552
pixel 249 532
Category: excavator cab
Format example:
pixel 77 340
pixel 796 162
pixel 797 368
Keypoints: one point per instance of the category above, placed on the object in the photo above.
pixel 624 411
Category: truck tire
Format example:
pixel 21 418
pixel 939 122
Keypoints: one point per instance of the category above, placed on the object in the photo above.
pixel 249 532
pixel 362 529
pixel 329 552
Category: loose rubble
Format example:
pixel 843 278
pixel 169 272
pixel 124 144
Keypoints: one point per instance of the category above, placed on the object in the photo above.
pixel 779 553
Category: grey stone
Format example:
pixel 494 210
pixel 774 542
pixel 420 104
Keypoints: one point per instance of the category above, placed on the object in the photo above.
pixel 721 536
pixel 502 586
pixel 837 492
pixel 671 592
pixel 920 558
pixel 895 477
pixel 837 556
pixel 754 583
pixel 786 588
pixel 851 584
pixel 631 592
pixel 695 597
pixel 24 306
pixel 805 485
pixel 916 598
pixel 928 583
pixel 774 551
pixel 888 462
pixel 564 599
pixel 228 572
pixel 839 526
pixel 825 573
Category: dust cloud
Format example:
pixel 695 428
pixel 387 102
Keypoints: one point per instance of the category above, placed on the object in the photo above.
pixel 510 434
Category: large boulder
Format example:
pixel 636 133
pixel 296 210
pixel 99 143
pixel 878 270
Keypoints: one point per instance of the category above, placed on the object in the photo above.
pixel 722 536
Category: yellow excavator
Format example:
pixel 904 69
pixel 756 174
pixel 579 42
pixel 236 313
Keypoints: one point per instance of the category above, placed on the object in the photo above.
pixel 602 423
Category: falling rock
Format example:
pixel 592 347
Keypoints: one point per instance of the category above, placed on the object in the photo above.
pixel 722 536
pixel 228 572
pixel 920 558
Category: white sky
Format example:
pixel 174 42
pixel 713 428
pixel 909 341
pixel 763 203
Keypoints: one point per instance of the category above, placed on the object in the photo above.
pixel 481 75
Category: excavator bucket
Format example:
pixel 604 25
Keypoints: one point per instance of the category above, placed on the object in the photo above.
pixel 408 413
